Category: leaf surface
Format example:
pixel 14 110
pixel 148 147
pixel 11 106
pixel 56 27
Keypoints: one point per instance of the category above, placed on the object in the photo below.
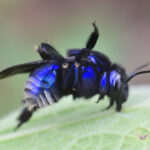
pixel 81 125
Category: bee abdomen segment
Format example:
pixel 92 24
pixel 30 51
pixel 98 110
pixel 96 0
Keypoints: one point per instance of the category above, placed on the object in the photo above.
pixel 39 88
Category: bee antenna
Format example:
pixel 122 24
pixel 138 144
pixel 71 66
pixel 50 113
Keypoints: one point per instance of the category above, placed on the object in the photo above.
pixel 135 72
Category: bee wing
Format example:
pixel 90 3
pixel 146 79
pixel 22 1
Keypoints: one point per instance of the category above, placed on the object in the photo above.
pixel 47 52
pixel 22 68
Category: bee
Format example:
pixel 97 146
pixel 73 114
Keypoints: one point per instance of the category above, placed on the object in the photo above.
pixel 83 73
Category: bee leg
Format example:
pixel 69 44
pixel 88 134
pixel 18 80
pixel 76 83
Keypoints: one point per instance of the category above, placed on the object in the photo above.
pixel 76 77
pixel 119 105
pixel 47 52
pixel 101 96
pixel 110 105
pixel 92 38
pixel 89 45
pixel 72 52
pixel 80 55
pixel 25 116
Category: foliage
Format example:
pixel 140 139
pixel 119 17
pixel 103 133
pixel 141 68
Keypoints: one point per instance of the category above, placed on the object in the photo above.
pixel 81 125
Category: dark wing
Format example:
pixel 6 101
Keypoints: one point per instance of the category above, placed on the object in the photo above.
pixel 22 68
pixel 47 52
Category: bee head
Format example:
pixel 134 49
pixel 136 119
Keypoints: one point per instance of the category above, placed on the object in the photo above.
pixel 117 77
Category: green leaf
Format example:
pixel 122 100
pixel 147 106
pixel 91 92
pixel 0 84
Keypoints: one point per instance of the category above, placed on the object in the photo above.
pixel 81 125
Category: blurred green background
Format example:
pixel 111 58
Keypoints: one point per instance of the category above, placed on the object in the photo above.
pixel 124 35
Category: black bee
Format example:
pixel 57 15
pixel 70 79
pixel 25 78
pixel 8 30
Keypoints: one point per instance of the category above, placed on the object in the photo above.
pixel 83 73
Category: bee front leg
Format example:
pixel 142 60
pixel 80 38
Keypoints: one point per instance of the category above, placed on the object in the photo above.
pixel 111 103
pixel 118 105
pixel 101 96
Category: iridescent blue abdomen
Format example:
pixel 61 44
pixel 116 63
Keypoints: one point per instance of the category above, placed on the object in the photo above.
pixel 40 85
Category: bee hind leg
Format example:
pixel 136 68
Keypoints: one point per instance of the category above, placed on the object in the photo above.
pixel 25 115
